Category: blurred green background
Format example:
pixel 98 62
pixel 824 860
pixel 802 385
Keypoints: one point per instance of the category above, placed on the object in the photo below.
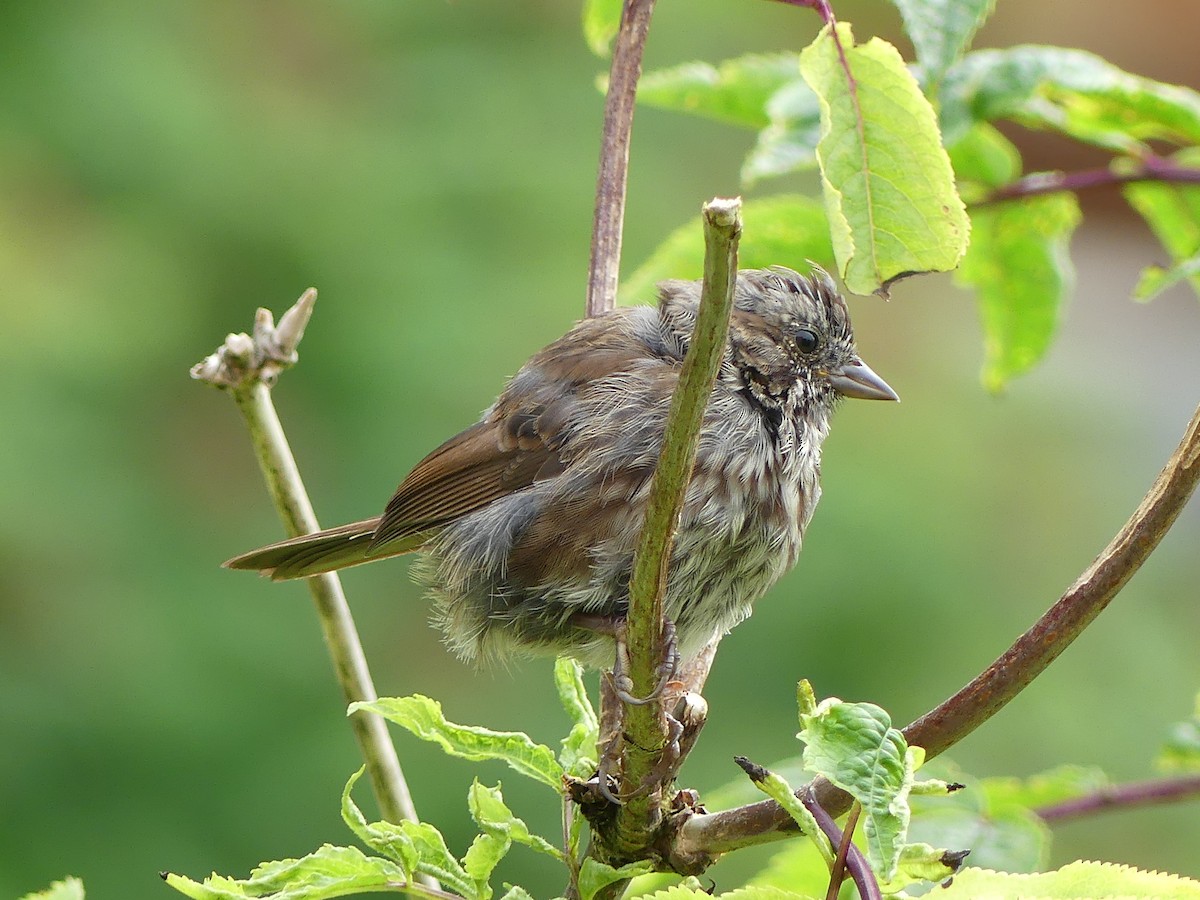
pixel 167 167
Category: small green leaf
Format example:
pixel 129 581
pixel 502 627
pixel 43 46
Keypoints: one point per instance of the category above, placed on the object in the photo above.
pixel 70 888
pixel 889 188
pixel 601 22
pixel 984 159
pixel 481 859
pixel 492 814
pixel 1076 881
pixel 434 858
pixel 382 837
pixel 516 892
pixel 855 746
pixel 777 788
pixel 423 717
pixel 595 875
pixel 735 92
pixel 1181 750
pixel 1071 91
pixel 1019 266
pixel 919 864
pixel 789 143
pixel 327 873
pixel 783 230
pixel 1173 213
pixel 806 698
pixel 941 31
pixel 415 846
pixel 578 753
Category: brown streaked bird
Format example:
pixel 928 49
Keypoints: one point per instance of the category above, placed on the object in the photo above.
pixel 527 521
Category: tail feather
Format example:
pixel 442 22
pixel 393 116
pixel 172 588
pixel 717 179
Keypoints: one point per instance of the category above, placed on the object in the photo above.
pixel 323 551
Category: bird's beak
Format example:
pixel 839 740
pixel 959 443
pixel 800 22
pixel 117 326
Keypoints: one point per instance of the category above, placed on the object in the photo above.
pixel 855 379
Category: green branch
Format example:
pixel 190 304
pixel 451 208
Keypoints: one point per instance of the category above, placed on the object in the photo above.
pixel 644 725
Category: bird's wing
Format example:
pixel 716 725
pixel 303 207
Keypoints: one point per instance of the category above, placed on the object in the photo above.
pixel 526 436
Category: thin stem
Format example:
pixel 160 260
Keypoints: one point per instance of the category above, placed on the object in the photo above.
pixel 838 874
pixel 1123 796
pixel 337 624
pixel 611 179
pixel 639 817
pixel 856 863
pixel 987 694
pixel 1151 168
pixel 247 367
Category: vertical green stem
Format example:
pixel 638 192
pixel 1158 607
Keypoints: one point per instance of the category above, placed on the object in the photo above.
pixel 644 724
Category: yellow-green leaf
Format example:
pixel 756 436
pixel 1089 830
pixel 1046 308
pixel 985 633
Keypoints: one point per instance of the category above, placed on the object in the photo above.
pixel 889 188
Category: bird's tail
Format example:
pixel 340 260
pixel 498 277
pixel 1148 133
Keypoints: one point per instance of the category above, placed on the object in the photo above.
pixel 323 551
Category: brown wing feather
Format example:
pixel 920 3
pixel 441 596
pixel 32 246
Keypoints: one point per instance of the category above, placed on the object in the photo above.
pixel 323 551
pixel 466 473
pixel 523 439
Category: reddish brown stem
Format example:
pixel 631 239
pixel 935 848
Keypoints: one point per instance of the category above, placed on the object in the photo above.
pixel 1152 168
pixel 611 179
pixel 856 864
pixel 1123 796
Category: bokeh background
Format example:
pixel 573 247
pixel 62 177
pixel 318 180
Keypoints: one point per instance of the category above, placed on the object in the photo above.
pixel 165 168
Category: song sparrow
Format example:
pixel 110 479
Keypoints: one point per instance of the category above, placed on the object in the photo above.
pixel 528 519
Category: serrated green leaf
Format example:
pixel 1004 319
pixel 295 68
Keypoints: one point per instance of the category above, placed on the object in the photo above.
pixel 516 892
pixel 889 189
pixel 1020 269
pixel 678 892
pixel 735 92
pixel 766 892
pixel 659 882
pixel 423 717
pixel 1181 750
pixel 1070 91
pixel 382 837
pixel 595 875
pixel 434 858
pixel 855 746
pixel 601 22
pixel 70 888
pixel 415 846
pixel 941 31
pixel 329 872
pixel 492 814
pixel 1076 881
pixel 984 159
pixel 783 230
pixel 578 753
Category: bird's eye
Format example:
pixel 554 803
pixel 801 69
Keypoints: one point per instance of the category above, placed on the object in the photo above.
pixel 807 340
